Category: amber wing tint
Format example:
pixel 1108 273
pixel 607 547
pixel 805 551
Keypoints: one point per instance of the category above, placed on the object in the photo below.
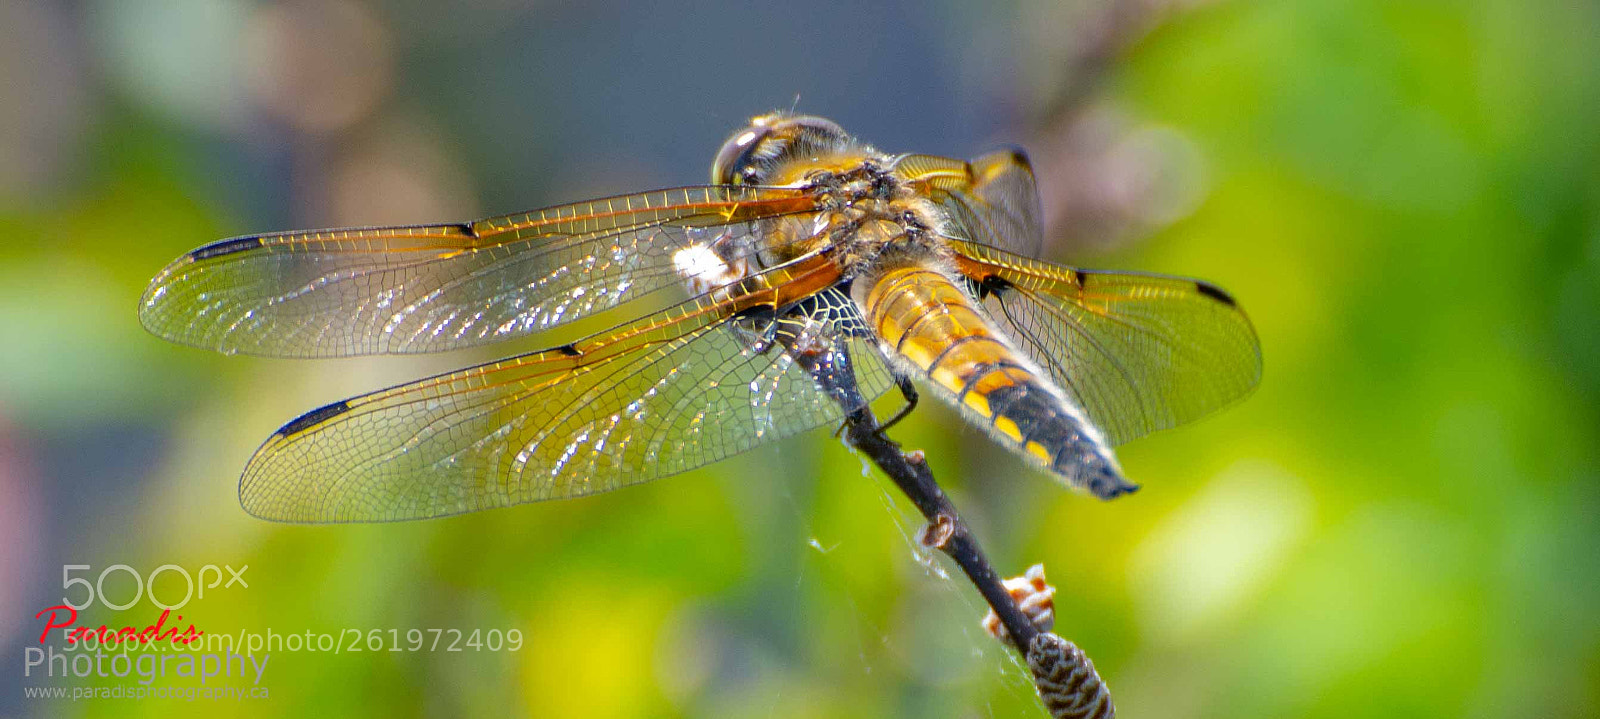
pixel 1138 352
pixel 699 382
pixel 992 197
pixel 357 291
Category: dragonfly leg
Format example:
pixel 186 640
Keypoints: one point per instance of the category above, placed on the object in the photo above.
pixel 907 390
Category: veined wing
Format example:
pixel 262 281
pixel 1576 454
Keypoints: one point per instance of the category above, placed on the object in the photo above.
pixel 993 196
pixel 703 381
pixel 1139 352
pixel 380 290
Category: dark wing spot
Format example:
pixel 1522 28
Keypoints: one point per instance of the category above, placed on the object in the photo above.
pixel 992 285
pixel 569 350
pixel 1215 292
pixel 1020 156
pixel 314 417
pixel 225 247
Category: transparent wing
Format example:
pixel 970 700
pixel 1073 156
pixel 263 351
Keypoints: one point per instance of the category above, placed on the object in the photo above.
pixel 647 400
pixel 333 293
pixel 993 197
pixel 1138 352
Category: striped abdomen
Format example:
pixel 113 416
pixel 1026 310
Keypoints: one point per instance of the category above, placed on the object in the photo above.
pixel 931 324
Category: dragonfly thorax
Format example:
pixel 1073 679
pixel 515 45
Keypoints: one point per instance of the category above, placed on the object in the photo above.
pixel 862 205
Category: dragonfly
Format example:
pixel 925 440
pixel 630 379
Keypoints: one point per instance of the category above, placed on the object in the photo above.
pixel 811 276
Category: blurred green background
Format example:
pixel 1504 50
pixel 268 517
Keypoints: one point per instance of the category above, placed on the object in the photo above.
pixel 1401 522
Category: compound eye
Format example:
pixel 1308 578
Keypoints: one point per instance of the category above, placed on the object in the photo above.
pixel 814 125
pixel 732 159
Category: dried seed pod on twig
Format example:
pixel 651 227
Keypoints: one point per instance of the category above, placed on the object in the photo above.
pixel 1034 596
pixel 1066 680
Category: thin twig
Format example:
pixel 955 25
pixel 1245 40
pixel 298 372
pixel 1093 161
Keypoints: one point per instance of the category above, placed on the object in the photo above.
pixel 1066 680
pixel 946 531
pixel 1064 677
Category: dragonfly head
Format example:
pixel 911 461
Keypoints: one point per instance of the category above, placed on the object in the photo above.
pixel 750 156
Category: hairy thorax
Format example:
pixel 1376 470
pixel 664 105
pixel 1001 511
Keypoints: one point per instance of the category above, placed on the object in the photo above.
pixel 867 217
pixel 869 211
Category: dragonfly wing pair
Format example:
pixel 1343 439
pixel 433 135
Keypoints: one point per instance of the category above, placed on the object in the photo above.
pixel 734 365
pixel 693 384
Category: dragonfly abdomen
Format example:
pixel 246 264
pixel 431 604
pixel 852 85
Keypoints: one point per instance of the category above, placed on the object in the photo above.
pixel 928 322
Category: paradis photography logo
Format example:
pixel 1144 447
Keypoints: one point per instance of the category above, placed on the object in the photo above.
pixel 168 645
pixel 47 662
pixel 64 616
